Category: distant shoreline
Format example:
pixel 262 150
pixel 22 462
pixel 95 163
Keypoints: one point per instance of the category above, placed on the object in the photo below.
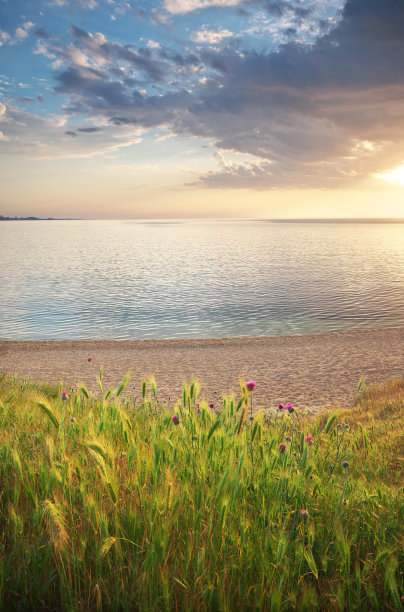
pixel 2 218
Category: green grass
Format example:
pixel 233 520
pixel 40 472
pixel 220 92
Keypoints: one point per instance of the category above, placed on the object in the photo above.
pixel 105 504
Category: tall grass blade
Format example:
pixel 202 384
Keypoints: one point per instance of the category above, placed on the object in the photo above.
pixel 46 409
pixel 123 384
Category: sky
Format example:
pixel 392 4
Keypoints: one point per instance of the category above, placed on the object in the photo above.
pixel 202 108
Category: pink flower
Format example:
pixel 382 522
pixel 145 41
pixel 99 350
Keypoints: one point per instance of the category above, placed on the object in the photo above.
pixel 217 411
pixel 89 358
pixel 289 408
pixel 250 385
pixel 175 420
pixel 309 439
pixel 212 405
pixel 64 395
pixel 303 513
pixel 282 448
pixel 281 406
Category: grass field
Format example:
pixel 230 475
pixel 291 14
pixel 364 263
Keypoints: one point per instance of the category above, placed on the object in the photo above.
pixel 113 504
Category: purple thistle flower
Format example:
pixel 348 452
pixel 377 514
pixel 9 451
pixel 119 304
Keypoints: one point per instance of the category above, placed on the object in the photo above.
pixel 303 513
pixel 64 395
pixel 89 358
pixel 212 405
pixel 175 420
pixel 250 385
pixel 281 406
pixel 282 448
pixel 288 439
pixel 309 439
pixel 290 408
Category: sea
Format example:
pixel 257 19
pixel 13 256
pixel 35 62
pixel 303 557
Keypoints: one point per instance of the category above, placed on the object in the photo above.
pixel 155 279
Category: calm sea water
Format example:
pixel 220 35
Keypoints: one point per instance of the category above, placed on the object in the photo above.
pixel 138 279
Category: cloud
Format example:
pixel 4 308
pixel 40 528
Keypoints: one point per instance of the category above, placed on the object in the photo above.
pixel 212 37
pixel 4 37
pixel 305 109
pixel 322 114
pixel 20 34
pixel 90 130
pixel 27 135
pixel 22 31
pixel 186 6
pixel 42 33
pixel 85 4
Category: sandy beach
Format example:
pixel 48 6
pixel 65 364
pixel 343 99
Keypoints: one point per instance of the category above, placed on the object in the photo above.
pixel 317 371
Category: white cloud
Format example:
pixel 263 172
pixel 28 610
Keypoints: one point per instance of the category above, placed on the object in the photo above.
pixel 22 31
pixel 4 37
pixel 87 4
pixel 41 49
pixel 152 44
pixel 212 37
pixel 186 6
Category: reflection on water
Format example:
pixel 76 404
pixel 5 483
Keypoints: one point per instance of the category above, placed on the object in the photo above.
pixel 148 279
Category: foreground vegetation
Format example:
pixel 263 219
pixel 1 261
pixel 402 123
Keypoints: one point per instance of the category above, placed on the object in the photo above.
pixel 114 504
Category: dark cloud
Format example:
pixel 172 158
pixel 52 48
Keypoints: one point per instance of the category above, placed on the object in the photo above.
pixel 321 114
pixel 70 133
pixel 42 33
pixel 23 99
pixel 89 130
pixel 121 121
pixel 324 114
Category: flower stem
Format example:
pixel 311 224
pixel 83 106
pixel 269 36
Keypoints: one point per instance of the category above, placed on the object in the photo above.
pixel 343 491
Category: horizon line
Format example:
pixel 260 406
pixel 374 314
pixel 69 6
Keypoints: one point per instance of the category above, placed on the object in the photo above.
pixel 176 219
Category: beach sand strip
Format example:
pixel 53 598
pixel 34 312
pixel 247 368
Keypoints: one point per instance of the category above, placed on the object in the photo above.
pixel 318 371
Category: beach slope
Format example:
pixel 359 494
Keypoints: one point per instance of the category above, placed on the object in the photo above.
pixel 317 371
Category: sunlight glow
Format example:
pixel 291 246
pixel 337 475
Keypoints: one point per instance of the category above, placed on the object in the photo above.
pixel 394 176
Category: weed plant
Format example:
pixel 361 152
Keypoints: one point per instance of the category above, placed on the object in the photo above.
pixel 109 503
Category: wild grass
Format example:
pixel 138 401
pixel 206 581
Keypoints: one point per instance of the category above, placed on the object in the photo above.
pixel 106 504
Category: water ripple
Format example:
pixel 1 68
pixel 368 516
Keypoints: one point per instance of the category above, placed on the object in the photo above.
pixel 127 279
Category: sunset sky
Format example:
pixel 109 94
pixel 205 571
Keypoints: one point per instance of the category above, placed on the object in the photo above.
pixel 202 108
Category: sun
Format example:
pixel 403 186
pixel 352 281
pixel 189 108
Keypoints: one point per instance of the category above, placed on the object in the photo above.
pixel 394 176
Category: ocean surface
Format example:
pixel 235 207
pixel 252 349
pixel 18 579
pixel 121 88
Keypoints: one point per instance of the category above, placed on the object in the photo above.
pixel 197 278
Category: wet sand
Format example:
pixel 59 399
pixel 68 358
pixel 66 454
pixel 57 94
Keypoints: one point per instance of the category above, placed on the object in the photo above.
pixel 317 371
